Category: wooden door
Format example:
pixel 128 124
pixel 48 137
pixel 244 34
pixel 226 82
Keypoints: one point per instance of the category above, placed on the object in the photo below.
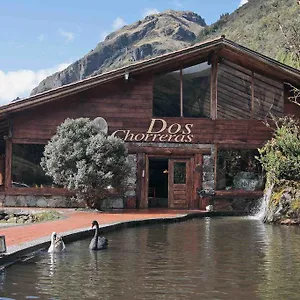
pixel 179 183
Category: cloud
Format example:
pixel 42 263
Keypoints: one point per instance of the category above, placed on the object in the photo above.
pixel 103 35
pixel 118 23
pixel 243 2
pixel 68 36
pixel 41 37
pixel 19 83
pixel 150 11
pixel 176 3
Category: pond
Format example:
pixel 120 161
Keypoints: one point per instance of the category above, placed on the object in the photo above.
pixel 210 258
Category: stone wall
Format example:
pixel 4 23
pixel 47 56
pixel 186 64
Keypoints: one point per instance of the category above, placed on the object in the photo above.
pixel 208 177
pixel 39 201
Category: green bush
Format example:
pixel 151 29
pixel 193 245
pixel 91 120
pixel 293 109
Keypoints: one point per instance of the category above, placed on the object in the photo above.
pixel 280 157
pixel 83 159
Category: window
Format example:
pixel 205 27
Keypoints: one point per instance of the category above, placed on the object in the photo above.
pixel 183 93
pixel 26 169
pixel 239 170
pixel 179 173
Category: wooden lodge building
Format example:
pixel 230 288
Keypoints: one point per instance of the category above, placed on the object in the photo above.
pixel 192 120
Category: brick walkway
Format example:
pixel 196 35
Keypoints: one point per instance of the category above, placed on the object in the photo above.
pixel 76 220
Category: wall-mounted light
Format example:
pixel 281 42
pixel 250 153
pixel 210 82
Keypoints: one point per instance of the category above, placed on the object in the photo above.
pixel 165 171
pixel 126 75
pixel 2 244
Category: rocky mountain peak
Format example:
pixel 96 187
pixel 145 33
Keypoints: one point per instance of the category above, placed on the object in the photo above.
pixel 154 35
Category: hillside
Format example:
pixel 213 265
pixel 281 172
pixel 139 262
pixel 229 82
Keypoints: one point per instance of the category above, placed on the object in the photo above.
pixel 154 35
pixel 256 25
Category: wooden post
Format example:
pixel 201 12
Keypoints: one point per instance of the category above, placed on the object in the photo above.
pixel 8 163
pixel 181 93
pixel 213 86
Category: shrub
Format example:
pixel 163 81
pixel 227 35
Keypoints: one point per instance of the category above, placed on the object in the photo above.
pixel 83 159
pixel 280 157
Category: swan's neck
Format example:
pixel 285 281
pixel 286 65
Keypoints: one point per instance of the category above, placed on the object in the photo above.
pixel 96 236
pixel 97 231
pixel 52 239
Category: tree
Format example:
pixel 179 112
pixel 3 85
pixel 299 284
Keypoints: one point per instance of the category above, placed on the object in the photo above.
pixel 81 158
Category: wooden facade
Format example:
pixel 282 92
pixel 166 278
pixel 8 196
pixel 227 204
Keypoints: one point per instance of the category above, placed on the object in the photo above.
pixel 244 87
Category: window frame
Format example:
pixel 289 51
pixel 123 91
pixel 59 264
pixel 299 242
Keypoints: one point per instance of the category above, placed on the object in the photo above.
pixel 181 100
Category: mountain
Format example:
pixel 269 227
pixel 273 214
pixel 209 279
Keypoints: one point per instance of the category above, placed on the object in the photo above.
pixel 260 25
pixel 154 35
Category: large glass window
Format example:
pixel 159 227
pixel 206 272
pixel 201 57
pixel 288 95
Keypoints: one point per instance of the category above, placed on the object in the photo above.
pixel 26 169
pixel 196 91
pixel 167 95
pixel 239 170
pixel 183 93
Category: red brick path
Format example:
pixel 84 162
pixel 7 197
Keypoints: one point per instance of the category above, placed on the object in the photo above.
pixel 18 235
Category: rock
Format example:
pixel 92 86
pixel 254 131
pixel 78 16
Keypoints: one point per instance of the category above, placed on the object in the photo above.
pixel 209 208
pixel 42 202
pixel 283 205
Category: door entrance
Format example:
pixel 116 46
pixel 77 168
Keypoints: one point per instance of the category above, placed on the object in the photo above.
pixel 168 183
pixel 179 183
pixel 158 183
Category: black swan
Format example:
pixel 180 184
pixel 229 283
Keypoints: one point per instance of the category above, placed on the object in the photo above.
pixel 98 242
pixel 57 243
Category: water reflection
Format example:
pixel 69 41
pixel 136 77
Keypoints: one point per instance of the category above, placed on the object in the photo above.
pixel 224 258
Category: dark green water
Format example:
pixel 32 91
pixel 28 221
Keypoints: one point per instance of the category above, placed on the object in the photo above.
pixel 221 258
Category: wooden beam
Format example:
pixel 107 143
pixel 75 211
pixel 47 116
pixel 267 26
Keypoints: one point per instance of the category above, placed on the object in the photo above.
pixel 181 93
pixel 238 193
pixel 45 191
pixel 166 151
pixel 213 86
pixel 30 141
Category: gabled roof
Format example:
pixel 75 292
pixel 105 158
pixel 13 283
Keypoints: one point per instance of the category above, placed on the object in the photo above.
pixel 223 46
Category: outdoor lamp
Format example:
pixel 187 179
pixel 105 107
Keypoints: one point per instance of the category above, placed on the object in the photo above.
pixel 2 244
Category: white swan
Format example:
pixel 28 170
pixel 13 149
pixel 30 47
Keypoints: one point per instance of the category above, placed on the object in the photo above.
pixel 98 242
pixel 57 243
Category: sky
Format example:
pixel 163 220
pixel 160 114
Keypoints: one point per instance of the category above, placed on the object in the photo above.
pixel 39 38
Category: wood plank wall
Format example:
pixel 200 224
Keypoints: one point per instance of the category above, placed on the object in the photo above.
pixel 243 94
pixel 129 106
